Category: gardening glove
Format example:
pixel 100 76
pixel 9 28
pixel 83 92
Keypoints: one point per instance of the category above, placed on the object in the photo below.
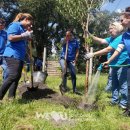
pixel 27 35
pixel 88 56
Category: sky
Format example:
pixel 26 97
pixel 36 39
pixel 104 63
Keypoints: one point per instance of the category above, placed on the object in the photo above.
pixel 117 5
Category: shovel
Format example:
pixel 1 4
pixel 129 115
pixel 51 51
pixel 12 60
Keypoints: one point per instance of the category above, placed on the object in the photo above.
pixel 31 88
pixel 61 86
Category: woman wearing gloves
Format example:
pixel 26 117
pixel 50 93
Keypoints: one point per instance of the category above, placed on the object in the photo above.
pixel 125 43
pixel 119 78
pixel 14 53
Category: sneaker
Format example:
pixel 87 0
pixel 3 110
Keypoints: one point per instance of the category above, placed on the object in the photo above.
pixel 77 92
pixel 122 107
pixel 67 88
pixel 62 89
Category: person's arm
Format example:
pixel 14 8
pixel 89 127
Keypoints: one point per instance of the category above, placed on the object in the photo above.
pixel 63 41
pixel 23 36
pixel 14 38
pixel 77 54
pixel 103 51
pixel 115 54
pixel 14 33
pixel 97 39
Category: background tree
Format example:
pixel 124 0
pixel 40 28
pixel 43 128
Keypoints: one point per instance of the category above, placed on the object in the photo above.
pixel 8 9
pixel 53 17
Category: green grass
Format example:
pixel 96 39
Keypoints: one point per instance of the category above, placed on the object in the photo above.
pixel 19 113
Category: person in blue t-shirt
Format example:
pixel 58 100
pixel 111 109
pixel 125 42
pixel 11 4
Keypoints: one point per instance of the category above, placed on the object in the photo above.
pixel 38 64
pixel 125 43
pixel 70 59
pixel 3 41
pixel 119 72
pixel 3 38
pixel 14 53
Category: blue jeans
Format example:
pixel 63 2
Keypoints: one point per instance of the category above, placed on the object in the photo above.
pixel 5 69
pixel 128 80
pixel 119 85
pixel 72 70
pixel 109 82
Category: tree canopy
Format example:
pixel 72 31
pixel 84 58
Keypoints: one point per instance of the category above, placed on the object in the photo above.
pixel 53 17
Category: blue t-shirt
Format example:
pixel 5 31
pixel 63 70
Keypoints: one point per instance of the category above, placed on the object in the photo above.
pixel 38 62
pixel 15 49
pixel 126 40
pixel 3 39
pixel 73 45
pixel 123 56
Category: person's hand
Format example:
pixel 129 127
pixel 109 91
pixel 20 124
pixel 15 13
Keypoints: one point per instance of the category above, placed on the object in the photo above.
pixel 89 34
pixel 74 62
pixel 105 63
pixel 27 35
pixel 88 56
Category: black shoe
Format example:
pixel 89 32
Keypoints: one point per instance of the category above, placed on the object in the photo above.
pixel 77 92
pixel 67 89
pixel 62 89
pixel 126 112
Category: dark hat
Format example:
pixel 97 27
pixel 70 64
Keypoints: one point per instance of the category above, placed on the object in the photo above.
pixel 2 21
pixel 127 11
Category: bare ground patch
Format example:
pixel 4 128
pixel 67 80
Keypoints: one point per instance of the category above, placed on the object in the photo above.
pixel 45 93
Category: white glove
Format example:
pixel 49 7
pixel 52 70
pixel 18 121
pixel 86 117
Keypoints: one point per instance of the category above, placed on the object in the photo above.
pixel 27 35
pixel 88 56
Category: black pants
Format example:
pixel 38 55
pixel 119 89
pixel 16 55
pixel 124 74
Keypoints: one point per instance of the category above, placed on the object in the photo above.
pixel 14 67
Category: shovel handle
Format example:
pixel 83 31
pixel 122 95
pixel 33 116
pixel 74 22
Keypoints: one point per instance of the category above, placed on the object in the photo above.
pixel 66 53
pixel 31 62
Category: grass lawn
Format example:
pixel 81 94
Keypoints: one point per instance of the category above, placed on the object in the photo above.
pixel 42 114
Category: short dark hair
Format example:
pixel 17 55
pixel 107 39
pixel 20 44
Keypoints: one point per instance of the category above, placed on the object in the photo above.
pixel 2 21
pixel 127 9
pixel 70 32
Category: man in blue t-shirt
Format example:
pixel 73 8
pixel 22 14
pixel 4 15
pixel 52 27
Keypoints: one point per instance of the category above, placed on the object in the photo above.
pixel 68 58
